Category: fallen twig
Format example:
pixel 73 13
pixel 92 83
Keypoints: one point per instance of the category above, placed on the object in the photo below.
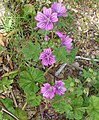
pixel 89 59
pixel 24 106
pixel 60 69
pixel 14 100
pixel 9 113
pixel 77 57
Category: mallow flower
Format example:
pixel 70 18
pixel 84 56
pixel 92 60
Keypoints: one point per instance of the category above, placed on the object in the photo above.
pixel 59 33
pixel 47 57
pixel 46 19
pixel 47 90
pixel 65 40
pixel 59 87
pixel 59 9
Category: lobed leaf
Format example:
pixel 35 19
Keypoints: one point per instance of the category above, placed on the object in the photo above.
pixel 30 78
pixel 31 51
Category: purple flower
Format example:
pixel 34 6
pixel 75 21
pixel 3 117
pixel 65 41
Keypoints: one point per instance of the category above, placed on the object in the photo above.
pixel 48 91
pixel 47 57
pixel 65 40
pixel 46 19
pixel 46 38
pixel 59 87
pixel 59 33
pixel 59 9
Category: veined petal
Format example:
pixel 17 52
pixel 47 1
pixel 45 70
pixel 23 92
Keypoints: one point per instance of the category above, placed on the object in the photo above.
pixel 44 62
pixel 51 62
pixel 64 15
pixel 41 25
pixel 46 85
pixel 47 11
pixel 48 50
pixel 41 55
pixel 54 6
pixel 51 95
pixel 54 17
pixel 62 9
pixel 59 33
pixel 40 16
pixel 47 57
pixel 46 94
pixel 43 89
pixel 49 26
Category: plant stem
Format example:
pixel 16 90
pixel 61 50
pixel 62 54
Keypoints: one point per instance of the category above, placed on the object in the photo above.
pixel 52 36
pixel 48 69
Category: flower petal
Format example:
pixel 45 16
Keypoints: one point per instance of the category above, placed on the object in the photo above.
pixel 54 6
pixel 46 11
pixel 49 26
pixel 41 25
pixel 59 33
pixel 64 15
pixel 48 50
pixel 54 17
pixel 44 62
pixel 40 16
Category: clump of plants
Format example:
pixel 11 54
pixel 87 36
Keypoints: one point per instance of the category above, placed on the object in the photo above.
pixel 45 46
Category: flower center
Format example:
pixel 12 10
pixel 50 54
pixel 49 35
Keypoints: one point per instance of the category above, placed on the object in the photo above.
pixel 59 87
pixel 50 89
pixel 47 56
pixel 47 19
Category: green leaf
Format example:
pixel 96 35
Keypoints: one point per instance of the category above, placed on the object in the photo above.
pixel 43 32
pixel 77 105
pixel 31 51
pixel 5 83
pixel 69 115
pixel 70 82
pixel 1 48
pixel 71 106
pixel 33 99
pixel 93 108
pixel 61 24
pixel 8 21
pixel 86 74
pixel 58 103
pixel 20 114
pixel 77 102
pixel 29 9
pixel 60 54
pixel 9 105
pixel 92 76
pixel 78 113
pixel 97 39
pixel 66 57
pixel 79 90
pixel 1 116
pixel 30 78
